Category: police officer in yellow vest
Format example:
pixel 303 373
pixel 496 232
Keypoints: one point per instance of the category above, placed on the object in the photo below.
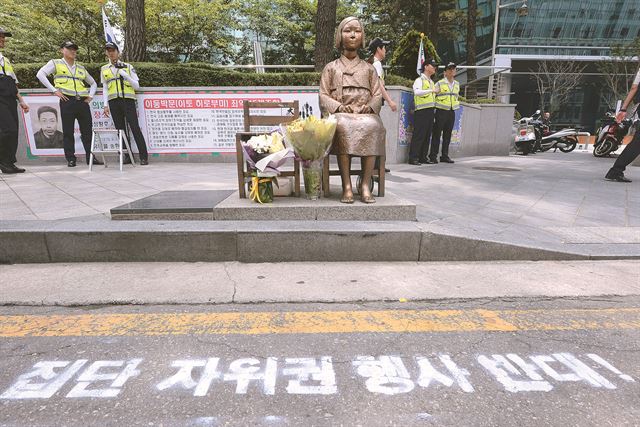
pixel 447 102
pixel 119 84
pixel 424 101
pixel 8 112
pixel 75 88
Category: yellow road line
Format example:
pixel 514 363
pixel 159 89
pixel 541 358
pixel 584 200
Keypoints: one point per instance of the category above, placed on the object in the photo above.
pixel 249 323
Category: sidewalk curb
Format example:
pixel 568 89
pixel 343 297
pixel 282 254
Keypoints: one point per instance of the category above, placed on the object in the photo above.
pixel 257 242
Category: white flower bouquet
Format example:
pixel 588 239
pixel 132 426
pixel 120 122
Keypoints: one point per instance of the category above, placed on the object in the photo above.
pixel 265 154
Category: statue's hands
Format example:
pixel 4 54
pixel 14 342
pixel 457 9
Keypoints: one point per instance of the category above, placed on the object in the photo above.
pixel 365 109
pixel 345 109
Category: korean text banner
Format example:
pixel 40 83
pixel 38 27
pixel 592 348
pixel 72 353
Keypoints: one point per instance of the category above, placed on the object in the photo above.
pixel 172 122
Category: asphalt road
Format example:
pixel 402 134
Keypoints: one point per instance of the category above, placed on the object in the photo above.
pixel 482 362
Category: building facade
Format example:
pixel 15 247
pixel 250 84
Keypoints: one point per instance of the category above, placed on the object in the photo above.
pixel 586 33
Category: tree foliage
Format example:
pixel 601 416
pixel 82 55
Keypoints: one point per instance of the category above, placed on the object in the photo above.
pixel 215 31
pixel 438 19
pixel 555 81
pixel 284 27
pixel 619 71
pixel 190 30
pixel 405 55
pixel 39 27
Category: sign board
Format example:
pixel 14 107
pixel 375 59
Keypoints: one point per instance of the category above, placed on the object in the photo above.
pixel 189 121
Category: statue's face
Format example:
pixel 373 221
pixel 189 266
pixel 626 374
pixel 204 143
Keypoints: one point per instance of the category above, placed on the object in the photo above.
pixel 352 35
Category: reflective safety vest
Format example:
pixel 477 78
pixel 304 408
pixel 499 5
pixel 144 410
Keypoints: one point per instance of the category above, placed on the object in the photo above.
pixel 428 100
pixel 447 99
pixel 7 69
pixel 117 87
pixel 67 83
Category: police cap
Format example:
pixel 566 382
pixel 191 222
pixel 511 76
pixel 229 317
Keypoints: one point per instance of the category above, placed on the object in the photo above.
pixel 69 45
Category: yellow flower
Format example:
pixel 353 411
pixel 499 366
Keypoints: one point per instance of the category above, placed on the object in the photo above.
pixel 276 143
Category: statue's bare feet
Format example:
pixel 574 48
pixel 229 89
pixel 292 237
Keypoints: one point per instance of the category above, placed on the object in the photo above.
pixel 366 197
pixel 347 196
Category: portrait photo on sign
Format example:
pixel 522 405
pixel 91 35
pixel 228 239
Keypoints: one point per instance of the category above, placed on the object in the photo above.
pixel 47 125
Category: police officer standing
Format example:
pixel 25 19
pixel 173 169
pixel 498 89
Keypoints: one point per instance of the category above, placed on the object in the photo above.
pixel 75 88
pixel 8 112
pixel 119 84
pixel 424 100
pixel 447 102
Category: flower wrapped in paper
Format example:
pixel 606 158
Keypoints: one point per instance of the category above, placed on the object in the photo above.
pixel 265 154
pixel 311 139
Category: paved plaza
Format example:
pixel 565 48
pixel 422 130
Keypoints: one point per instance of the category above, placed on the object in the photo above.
pixel 548 200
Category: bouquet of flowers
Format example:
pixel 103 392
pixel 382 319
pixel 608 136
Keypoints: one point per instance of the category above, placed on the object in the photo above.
pixel 311 139
pixel 265 155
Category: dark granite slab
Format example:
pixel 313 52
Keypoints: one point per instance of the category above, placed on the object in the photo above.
pixel 174 202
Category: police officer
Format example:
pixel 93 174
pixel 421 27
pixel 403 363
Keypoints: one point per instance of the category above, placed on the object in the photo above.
pixel 632 150
pixel 8 112
pixel 119 84
pixel 424 100
pixel 447 102
pixel 75 88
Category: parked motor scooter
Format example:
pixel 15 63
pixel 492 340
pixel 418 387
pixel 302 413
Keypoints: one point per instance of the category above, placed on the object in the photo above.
pixel 565 140
pixel 525 137
pixel 610 135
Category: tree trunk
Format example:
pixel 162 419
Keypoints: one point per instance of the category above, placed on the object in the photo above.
pixel 325 29
pixel 434 18
pixel 426 18
pixel 135 45
pixel 472 14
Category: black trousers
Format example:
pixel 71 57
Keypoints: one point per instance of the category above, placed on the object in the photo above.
pixel 628 155
pixel 8 130
pixel 422 128
pixel 123 112
pixel 442 128
pixel 70 111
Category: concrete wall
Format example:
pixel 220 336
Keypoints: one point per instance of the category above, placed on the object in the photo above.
pixel 486 130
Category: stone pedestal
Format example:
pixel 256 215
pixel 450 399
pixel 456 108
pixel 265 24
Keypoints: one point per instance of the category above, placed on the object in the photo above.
pixel 227 206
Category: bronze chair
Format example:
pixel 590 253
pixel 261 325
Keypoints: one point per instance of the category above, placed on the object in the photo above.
pixel 289 111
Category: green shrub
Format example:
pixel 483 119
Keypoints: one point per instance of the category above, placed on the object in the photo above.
pixel 189 75
pixel 393 80
pixel 196 74
pixel 477 100
pixel 404 59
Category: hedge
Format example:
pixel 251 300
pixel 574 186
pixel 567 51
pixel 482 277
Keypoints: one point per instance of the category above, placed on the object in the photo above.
pixel 192 75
